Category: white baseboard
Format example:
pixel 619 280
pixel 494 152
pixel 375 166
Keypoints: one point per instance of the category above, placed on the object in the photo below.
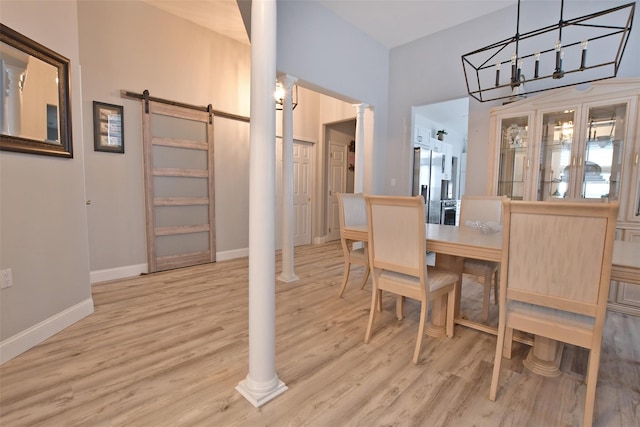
pixel 320 240
pixel 23 341
pixel 236 253
pixel 136 270
pixel 117 273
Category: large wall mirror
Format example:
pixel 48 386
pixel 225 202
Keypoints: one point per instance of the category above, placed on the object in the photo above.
pixel 35 113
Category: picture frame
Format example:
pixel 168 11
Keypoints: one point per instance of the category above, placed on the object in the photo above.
pixel 108 127
pixel 49 118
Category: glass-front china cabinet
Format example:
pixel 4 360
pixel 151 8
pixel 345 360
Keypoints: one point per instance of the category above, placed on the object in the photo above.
pixel 574 143
pixel 585 162
pixel 513 171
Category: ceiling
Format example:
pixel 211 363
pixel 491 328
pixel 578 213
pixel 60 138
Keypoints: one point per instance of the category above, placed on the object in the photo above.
pixel 396 22
pixel 391 22
pixel 221 16
pixel 450 115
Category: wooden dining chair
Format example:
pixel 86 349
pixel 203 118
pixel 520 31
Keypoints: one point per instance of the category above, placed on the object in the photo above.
pixel 352 211
pixel 482 209
pixel 555 276
pixel 397 256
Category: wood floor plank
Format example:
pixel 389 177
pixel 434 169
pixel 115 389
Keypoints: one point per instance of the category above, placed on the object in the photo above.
pixel 168 349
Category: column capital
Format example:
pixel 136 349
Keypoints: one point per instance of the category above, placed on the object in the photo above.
pixel 360 108
pixel 16 74
pixel 287 81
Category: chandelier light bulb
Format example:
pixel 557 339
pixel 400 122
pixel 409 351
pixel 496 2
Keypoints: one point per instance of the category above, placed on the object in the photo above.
pixel 583 60
pixel 559 55
pixel 519 71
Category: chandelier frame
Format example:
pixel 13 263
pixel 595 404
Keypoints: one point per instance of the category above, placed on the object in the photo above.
pixel 486 88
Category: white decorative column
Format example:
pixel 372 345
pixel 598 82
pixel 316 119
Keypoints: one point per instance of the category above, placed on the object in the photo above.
pixel 288 274
pixel 14 106
pixel 262 383
pixel 358 179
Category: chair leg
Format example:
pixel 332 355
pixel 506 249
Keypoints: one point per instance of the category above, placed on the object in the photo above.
pixel 497 360
pixel 375 297
pixel 345 277
pixel 486 297
pixel 496 287
pixel 592 381
pixel 400 307
pixel 508 344
pixel 366 277
pixel 451 304
pixel 423 319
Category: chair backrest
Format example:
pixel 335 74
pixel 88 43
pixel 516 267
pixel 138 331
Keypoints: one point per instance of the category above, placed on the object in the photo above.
pixel 558 254
pixel 481 208
pixel 397 239
pixel 353 209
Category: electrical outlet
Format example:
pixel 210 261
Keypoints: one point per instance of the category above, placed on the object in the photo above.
pixel 6 278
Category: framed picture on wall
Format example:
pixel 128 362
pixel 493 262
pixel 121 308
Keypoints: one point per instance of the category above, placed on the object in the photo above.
pixel 108 127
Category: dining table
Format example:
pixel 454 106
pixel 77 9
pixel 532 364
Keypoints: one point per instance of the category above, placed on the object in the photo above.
pixel 452 244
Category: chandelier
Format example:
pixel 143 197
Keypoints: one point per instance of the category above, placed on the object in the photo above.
pixel 542 59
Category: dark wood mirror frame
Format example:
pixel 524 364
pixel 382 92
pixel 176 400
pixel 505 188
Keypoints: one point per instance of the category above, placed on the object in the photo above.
pixel 62 147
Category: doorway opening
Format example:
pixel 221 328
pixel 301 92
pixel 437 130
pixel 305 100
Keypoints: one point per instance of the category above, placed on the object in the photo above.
pixel 340 166
pixel 440 131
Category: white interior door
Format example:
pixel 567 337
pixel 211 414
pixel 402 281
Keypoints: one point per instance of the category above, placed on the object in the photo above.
pixel 337 183
pixel 302 192
pixel 302 176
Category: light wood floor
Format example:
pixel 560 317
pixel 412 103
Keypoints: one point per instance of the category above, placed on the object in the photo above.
pixel 168 349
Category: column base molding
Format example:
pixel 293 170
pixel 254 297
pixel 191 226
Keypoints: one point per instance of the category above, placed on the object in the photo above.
pixel 287 278
pixel 257 395
pixel 547 367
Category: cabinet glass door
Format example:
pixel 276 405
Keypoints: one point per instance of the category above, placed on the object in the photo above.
pixel 514 133
pixel 605 134
pixel 554 179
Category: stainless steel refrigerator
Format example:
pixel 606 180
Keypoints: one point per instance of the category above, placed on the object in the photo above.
pixel 428 170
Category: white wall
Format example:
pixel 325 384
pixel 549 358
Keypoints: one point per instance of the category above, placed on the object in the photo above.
pixel 43 223
pixel 429 70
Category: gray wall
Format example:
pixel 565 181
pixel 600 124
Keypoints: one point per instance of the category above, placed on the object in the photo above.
pixel 43 224
pixel 429 70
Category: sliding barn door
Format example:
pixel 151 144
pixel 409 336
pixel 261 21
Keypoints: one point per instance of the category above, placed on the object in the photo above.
pixel 179 186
